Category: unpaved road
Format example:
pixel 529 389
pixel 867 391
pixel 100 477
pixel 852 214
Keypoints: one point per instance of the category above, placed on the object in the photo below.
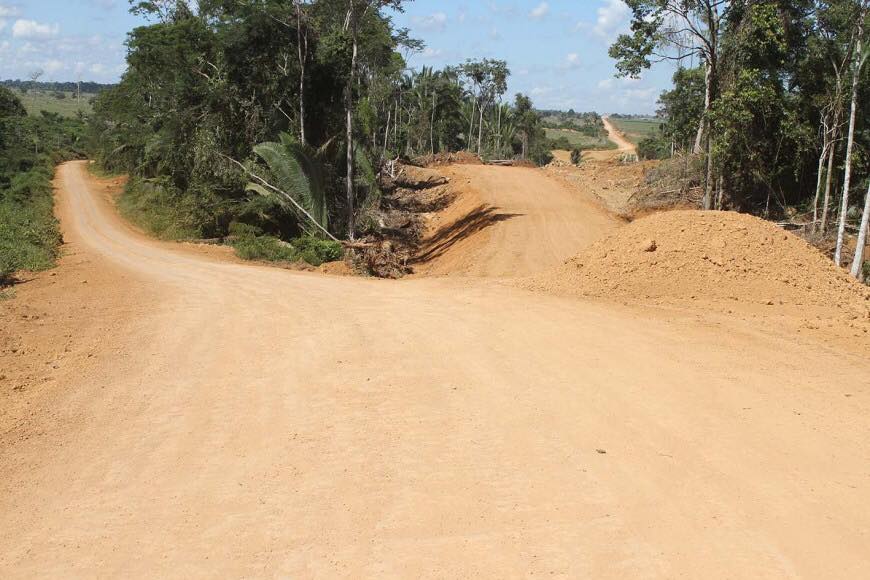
pixel 623 145
pixel 254 422
pixel 511 221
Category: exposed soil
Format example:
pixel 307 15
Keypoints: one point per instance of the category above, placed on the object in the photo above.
pixel 211 418
pixel 723 259
pixel 508 221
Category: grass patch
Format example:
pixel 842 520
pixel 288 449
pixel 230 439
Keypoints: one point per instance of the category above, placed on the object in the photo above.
pixel 161 211
pixel 29 234
pixel 578 140
pixel 69 106
pixel 250 244
pixel 635 130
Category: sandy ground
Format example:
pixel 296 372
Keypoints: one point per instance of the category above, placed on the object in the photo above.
pixel 216 419
pixel 510 221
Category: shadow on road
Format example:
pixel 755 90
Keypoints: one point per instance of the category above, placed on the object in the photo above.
pixel 478 219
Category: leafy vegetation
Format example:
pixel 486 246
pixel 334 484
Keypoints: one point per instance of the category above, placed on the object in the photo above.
pixel 65 104
pixel 30 146
pixel 636 129
pixel 281 115
pixel 777 109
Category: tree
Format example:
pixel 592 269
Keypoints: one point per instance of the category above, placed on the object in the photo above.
pixel 860 57
pixel 299 180
pixel 683 107
pixel 676 30
pixel 489 81
pixel 356 11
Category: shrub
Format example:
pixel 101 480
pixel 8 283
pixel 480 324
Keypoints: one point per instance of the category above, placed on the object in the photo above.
pixel 250 244
pixel 576 156
pixel 162 210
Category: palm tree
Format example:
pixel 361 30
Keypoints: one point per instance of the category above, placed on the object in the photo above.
pixel 299 180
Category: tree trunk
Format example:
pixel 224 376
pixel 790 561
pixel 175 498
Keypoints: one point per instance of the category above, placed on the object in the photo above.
pixel 432 125
pixel 826 204
pixel 858 261
pixel 349 114
pixel 480 131
pixel 708 185
pixel 387 132
pixel 819 174
pixel 302 50
pixel 708 102
pixel 498 133
pixel 847 178
pixel 471 125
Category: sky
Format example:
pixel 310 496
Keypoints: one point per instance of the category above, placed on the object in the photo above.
pixel 556 49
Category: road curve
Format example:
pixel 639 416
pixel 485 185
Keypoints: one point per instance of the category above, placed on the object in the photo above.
pixel 261 423
pixel 623 145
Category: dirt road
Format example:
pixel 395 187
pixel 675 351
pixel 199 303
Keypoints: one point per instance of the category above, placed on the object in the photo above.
pixel 623 145
pixel 251 422
pixel 511 221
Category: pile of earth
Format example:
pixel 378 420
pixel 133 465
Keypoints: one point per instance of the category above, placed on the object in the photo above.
pixel 451 158
pixel 713 257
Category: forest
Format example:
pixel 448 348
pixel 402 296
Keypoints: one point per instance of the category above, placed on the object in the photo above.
pixel 774 115
pixel 277 118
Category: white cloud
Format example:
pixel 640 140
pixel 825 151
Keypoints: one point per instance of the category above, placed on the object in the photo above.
pixel 105 4
pixel 436 21
pixel 611 17
pixel 612 83
pixel 572 60
pixel 494 34
pixel 2 24
pixel 33 29
pixel 52 66
pixel 540 11
pixel 8 11
pixel 97 68
pixel 431 53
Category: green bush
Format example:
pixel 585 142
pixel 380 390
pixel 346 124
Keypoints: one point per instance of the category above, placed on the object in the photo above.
pixel 576 156
pixel 162 210
pixel 654 146
pixel 250 244
pixel 29 236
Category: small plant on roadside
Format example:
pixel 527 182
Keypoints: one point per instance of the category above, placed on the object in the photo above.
pixel 576 156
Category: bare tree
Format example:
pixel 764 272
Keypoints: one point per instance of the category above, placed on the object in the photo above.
pixel 858 261
pixel 860 58
pixel 302 51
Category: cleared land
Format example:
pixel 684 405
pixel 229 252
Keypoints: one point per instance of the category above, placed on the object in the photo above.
pixel 636 129
pixel 170 412
pixel 69 106
pixel 578 139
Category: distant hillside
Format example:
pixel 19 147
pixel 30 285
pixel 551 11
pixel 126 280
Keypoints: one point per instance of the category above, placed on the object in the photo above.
pixel 89 87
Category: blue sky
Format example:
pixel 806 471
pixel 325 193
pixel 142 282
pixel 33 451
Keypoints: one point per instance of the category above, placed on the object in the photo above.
pixel 556 49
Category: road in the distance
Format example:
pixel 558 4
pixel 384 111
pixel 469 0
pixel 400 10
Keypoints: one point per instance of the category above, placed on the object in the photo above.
pixel 266 423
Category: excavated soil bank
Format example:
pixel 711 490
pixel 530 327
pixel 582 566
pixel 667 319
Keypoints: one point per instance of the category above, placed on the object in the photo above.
pixel 689 256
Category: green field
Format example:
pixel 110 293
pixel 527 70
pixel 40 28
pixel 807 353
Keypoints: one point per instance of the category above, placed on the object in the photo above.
pixel 580 140
pixel 636 129
pixel 36 101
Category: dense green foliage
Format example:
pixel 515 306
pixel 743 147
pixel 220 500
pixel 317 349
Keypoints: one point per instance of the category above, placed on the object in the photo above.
pixel 29 148
pixel 772 91
pixel 203 116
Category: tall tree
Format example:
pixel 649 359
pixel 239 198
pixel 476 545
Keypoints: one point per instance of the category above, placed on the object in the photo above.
pixel 859 59
pixel 676 30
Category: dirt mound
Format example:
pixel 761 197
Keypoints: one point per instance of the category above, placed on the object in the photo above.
pixel 455 158
pixel 711 257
